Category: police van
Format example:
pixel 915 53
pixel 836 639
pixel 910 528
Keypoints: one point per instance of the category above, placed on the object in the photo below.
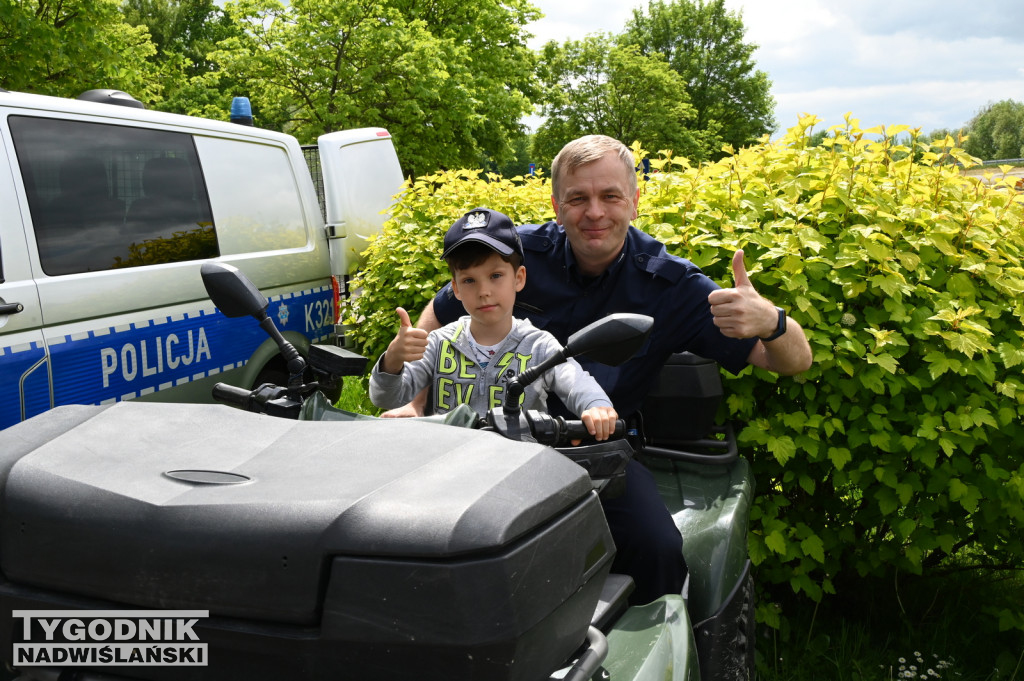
pixel 107 212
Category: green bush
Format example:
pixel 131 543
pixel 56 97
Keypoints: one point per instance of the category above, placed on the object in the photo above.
pixel 404 266
pixel 897 450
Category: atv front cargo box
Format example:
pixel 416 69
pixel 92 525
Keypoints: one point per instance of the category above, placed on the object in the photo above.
pixel 373 549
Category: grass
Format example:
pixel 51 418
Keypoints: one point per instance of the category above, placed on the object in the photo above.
pixel 354 396
pixel 922 628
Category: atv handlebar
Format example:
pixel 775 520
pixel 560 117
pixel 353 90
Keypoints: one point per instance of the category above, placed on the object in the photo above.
pixel 268 398
pixel 232 395
pixel 556 431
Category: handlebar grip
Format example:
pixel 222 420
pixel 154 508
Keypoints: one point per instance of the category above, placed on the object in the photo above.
pixel 576 430
pixel 232 395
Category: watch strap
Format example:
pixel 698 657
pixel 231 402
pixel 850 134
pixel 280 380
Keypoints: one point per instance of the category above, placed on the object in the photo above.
pixel 780 329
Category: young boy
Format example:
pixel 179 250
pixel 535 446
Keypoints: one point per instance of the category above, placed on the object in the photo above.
pixel 472 360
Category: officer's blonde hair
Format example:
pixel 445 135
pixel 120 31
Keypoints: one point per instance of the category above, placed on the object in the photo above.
pixel 588 149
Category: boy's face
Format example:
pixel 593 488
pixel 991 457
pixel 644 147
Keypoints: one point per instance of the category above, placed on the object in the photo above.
pixel 488 290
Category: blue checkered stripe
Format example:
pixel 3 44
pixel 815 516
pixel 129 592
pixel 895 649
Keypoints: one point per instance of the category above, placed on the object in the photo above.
pixel 109 364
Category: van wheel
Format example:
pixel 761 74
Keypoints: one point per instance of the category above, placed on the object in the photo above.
pixel 271 374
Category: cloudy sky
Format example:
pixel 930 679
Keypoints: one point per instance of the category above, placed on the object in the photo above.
pixel 924 63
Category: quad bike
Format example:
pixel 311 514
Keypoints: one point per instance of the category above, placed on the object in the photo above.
pixel 328 545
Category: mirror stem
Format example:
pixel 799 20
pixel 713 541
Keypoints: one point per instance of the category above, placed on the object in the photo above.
pixel 296 364
pixel 517 386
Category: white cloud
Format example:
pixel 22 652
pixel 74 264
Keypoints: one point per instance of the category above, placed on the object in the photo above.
pixel 783 30
pixel 928 63
pixel 573 20
pixel 928 105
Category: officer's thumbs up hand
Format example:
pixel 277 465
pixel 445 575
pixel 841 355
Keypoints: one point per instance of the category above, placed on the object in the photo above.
pixel 407 346
pixel 741 312
pixel 739 270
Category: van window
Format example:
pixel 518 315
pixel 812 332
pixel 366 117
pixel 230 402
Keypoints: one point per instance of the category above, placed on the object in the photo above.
pixel 107 196
pixel 255 195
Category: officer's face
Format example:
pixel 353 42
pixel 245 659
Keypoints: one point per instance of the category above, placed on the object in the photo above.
pixel 596 206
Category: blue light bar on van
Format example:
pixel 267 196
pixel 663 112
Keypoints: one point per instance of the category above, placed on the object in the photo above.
pixel 241 111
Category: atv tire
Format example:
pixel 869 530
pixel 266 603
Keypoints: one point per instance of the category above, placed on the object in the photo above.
pixel 725 642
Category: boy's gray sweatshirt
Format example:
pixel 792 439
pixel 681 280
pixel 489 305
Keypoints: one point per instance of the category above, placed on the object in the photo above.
pixel 447 366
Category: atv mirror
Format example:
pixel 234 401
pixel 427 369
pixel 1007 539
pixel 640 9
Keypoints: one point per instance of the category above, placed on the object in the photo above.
pixel 236 296
pixel 610 340
pixel 231 291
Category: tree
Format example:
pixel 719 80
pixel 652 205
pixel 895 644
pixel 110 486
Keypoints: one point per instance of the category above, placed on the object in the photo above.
pixel 186 33
pixel 186 28
pixel 515 165
pixel 703 42
pixel 997 131
pixel 592 86
pixel 450 84
pixel 64 48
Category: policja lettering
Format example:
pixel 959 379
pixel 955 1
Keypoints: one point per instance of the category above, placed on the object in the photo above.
pixel 150 356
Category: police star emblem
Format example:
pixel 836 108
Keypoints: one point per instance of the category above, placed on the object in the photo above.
pixel 476 221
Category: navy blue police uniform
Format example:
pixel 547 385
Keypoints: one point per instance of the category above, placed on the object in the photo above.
pixel 644 279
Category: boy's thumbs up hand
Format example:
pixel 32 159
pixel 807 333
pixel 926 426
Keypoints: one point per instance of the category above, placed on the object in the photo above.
pixel 407 346
pixel 403 318
pixel 741 312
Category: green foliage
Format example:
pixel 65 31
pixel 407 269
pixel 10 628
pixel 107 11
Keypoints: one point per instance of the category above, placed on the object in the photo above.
pixel 899 448
pixel 592 86
pixel 516 164
pixel 997 132
pixel 186 27
pixel 449 84
pixel 185 34
pixel 704 43
pixel 65 48
pixel 404 266
pixel 910 628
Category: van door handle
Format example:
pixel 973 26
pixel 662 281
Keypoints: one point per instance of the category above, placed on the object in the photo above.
pixel 11 308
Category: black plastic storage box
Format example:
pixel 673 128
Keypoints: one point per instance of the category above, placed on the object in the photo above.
pixel 376 549
pixel 682 405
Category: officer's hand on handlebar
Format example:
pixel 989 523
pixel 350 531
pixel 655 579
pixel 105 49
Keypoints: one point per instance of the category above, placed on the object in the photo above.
pixel 407 346
pixel 600 421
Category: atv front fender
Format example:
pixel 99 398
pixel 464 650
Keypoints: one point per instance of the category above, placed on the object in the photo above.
pixel 653 642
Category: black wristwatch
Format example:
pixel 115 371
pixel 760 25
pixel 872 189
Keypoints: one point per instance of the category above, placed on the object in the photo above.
pixel 780 329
